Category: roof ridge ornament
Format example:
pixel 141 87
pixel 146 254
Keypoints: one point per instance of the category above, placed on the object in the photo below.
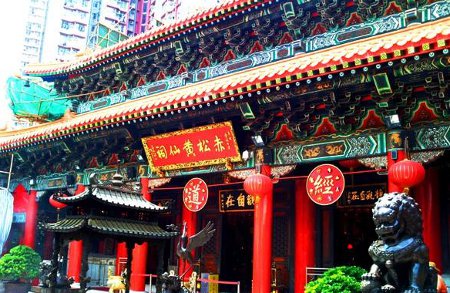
pixel 117 179
pixel 93 179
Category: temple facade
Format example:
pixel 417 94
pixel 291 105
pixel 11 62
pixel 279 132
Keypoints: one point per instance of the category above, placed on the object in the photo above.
pixel 191 109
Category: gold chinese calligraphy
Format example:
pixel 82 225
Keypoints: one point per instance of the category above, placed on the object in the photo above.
pixel 325 184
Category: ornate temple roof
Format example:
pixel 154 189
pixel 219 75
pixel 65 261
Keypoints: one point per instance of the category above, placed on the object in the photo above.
pixel 408 42
pixel 170 30
pixel 118 227
pixel 113 196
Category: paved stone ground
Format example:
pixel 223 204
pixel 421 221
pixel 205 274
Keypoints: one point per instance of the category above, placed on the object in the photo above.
pixel 445 276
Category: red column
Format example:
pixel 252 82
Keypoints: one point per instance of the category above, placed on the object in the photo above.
pixel 304 235
pixel 144 189
pixel 428 197
pixel 262 240
pixel 29 238
pixel 75 255
pixel 140 252
pixel 139 267
pixel 390 161
pixel 20 199
pixel 191 223
pixel 121 256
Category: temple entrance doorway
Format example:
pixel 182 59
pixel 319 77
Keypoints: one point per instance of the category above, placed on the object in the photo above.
pixel 354 233
pixel 237 250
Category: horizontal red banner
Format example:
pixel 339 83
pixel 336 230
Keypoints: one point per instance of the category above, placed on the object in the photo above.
pixel 200 146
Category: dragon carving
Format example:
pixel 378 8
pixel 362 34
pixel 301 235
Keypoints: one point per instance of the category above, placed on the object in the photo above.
pixel 400 256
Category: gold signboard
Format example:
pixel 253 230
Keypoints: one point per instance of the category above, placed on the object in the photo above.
pixel 362 195
pixel 195 147
pixel 235 200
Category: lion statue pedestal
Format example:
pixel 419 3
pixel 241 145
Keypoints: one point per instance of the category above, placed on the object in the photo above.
pixel 400 257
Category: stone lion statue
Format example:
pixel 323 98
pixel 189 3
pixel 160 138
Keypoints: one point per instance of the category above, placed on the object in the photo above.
pixel 400 257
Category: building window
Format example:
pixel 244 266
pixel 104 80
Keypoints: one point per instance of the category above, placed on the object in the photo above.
pixel 65 25
pixel 35 26
pixel 63 51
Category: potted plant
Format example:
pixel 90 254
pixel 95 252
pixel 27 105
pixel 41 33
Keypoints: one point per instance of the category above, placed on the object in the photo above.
pixel 344 279
pixel 18 267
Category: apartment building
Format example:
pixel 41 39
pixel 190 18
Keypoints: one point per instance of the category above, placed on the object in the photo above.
pixel 58 30
pixel 34 31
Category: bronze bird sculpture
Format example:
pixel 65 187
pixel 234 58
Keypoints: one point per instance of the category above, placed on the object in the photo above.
pixel 186 245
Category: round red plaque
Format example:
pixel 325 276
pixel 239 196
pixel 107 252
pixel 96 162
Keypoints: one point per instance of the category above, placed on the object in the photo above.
pixel 195 194
pixel 325 184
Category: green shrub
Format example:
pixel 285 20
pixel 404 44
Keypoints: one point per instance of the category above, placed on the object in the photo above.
pixel 345 279
pixel 21 262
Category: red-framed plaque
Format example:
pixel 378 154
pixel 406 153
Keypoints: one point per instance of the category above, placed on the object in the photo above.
pixel 325 184
pixel 195 194
pixel 195 147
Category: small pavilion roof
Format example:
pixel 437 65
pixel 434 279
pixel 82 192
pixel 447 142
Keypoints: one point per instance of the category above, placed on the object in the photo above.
pixel 115 196
pixel 117 227
pixel 411 41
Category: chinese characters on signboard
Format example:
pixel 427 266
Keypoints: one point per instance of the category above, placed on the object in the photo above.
pixel 236 200
pixel 325 184
pixel 195 194
pixel 362 194
pixel 195 147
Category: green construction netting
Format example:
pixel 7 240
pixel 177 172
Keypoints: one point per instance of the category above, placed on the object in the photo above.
pixel 107 36
pixel 35 100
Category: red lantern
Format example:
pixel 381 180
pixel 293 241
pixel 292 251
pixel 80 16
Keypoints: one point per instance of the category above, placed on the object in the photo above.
pixel 258 185
pixel 56 204
pixel 407 173
pixel 350 164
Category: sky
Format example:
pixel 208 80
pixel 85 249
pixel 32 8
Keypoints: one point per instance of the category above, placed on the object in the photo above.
pixel 12 21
